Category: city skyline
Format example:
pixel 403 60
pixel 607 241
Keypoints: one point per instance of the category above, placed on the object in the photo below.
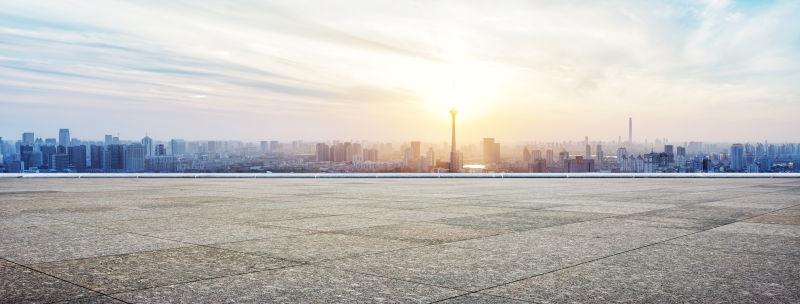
pixel 689 71
pixel 33 154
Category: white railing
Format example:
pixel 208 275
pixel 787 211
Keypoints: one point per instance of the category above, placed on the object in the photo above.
pixel 399 175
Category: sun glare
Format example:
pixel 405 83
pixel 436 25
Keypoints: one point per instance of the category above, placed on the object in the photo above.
pixel 470 87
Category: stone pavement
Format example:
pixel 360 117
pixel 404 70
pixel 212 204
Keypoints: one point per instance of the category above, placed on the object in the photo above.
pixel 399 240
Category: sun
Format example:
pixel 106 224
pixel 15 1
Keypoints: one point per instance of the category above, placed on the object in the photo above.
pixel 469 86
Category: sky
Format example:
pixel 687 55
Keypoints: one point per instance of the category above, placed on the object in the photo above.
pixel 391 70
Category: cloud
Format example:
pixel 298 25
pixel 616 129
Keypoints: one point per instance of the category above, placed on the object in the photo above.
pixel 367 67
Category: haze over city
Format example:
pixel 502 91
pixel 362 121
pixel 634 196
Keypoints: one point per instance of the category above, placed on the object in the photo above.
pixel 388 70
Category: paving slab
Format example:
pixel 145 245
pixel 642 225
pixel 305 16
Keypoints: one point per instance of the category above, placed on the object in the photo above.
pixel 478 298
pixel 523 220
pixel 68 249
pixel 306 284
pixel 423 232
pixel 22 285
pixel 450 266
pixel 760 229
pixel 399 240
pixel 225 233
pixel 757 243
pixel 691 261
pixel 118 273
pixel 318 246
pixel 332 223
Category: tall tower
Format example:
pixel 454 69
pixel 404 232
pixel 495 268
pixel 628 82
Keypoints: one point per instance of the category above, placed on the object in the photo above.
pixel 630 130
pixel 453 113
pixel 63 137
pixel 455 157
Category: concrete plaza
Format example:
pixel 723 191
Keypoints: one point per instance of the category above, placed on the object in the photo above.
pixel 400 240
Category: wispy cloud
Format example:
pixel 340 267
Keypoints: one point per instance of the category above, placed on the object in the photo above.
pixel 350 69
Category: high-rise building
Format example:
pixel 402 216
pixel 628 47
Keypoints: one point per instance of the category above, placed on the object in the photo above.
pixel 549 157
pixel 563 156
pixel 416 150
pixel 491 151
pixel 96 156
pixel 536 154
pixel 371 155
pixel 177 147
pixel 25 152
pixel 630 130
pixel 114 158
pixel 108 140
pixel 456 158
pixel 134 158
pixel 579 164
pixel 161 163
pixel 669 149
pixel 27 139
pixel 430 156
pixel 588 152
pixel 159 150
pixel 599 156
pixel 47 155
pixel 63 137
pixel 60 162
pixel 77 157
pixel 526 155
pixel 264 146
pixel 147 142
pixel 737 158
pixel 323 152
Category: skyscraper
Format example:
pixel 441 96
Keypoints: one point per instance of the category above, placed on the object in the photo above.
pixel 323 152
pixel 177 146
pixel 599 156
pixel 96 155
pixel 77 157
pixel 159 150
pixel 114 158
pixel 25 152
pixel 47 155
pixel 416 150
pixel 147 142
pixel 63 137
pixel 134 158
pixel 588 152
pixel 526 155
pixel 737 157
pixel 27 138
pixel 108 140
pixel 455 157
pixel 491 151
pixel 630 130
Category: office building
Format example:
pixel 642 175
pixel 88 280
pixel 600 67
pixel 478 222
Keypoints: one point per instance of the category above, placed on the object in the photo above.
pixel 114 158
pixel 526 155
pixel 491 151
pixel 96 156
pixel 177 147
pixel 737 158
pixel 63 137
pixel 578 165
pixel 147 142
pixel 77 157
pixel 323 151
pixel 134 158
pixel 27 139
pixel 159 150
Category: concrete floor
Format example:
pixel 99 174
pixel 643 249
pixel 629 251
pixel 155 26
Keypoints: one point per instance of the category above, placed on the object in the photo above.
pixel 399 240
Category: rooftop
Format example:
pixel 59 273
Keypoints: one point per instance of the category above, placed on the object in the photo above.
pixel 399 240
